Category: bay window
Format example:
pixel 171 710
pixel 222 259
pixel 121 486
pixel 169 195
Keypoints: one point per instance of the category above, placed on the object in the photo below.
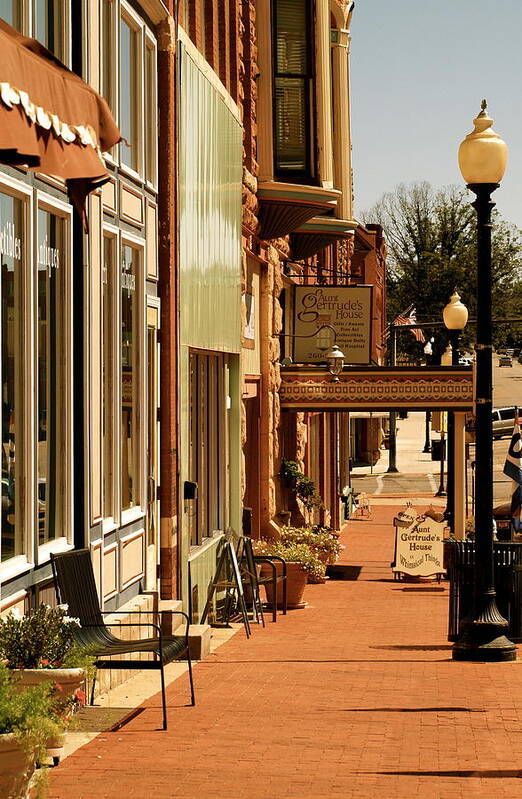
pixel 292 88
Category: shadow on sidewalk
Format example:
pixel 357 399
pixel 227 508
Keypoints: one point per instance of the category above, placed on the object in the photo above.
pixel 486 774
pixel 408 710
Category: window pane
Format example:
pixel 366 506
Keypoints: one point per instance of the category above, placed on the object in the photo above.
pixel 291 124
pixel 107 52
pixel 129 377
pixel 150 114
pixel 51 418
pixel 11 12
pixel 11 252
pixel 128 94
pixel 108 360
pixel 48 25
pixel 291 37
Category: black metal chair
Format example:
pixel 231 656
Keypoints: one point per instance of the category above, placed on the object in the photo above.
pixel 76 587
pixel 271 579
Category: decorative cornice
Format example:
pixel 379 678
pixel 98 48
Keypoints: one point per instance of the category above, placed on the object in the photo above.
pixel 318 233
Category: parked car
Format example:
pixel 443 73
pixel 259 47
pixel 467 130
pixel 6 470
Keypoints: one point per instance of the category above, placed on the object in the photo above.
pixel 505 360
pixel 465 361
pixel 503 421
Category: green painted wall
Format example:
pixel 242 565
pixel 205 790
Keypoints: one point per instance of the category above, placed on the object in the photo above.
pixel 210 181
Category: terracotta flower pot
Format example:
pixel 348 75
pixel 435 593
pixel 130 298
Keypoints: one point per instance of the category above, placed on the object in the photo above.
pixel 295 584
pixel 16 768
pixel 69 680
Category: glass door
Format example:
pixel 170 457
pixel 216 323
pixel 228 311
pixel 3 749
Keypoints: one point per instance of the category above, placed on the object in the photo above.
pixel 152 519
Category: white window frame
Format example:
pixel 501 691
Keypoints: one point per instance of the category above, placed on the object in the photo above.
pixel 139 510
pixel 110 523
pixel 28 19
pixel 151 126
pixel 24 562
pixel 129 16
pixel 46 202
pixel 113 65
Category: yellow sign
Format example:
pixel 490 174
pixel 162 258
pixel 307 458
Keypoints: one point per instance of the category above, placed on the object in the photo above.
pixel 348 309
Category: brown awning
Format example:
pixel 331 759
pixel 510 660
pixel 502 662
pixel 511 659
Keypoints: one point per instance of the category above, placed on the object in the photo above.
pixel 50 119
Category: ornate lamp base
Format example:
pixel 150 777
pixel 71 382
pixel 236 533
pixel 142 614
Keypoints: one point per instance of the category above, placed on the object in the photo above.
pixel 483 638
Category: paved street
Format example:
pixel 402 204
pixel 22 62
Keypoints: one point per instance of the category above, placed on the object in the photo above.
pixel 417 472
pixel 354 696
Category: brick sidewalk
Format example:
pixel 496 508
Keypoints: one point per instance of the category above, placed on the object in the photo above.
pixel 354 696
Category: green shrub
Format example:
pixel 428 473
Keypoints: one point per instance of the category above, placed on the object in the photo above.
pixel 42 639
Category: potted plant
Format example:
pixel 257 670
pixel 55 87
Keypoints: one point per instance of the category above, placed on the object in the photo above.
pixel 303 487
pixel 27 721
pixel 321 541
pixel 39 647
pixel 301 563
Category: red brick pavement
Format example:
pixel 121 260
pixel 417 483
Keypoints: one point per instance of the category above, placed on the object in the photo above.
pixel 354 696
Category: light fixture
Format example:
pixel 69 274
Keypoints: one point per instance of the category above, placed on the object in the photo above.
pixel 483 154
pixel 323 337
pixel 455 313
pixel 447 355
pixel 428 349
pixel 335 360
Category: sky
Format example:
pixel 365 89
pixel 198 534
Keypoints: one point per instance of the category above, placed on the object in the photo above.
pixel 419 69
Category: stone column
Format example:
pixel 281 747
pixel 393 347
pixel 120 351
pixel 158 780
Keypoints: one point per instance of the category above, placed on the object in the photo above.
pixel 323 93
pixel 342 140
pixel 459 474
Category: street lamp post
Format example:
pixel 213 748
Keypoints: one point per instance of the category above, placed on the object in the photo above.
pixel 428 352
pixel 482 161
pixel 455 316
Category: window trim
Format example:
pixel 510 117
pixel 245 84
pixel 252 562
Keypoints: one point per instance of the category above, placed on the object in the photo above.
pixel 46 202
pixel 151 131
pixel 308 175
pixel 29 24
pixel 136 511
pixel 25 561
pixel 129 16
pixel 110 523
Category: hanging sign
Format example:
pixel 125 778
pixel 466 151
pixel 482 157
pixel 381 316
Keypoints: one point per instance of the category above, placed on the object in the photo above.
pixel 348 309
pixel 418 545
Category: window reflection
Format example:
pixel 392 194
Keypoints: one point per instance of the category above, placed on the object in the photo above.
pixel 51 418
pixel 48 25
pixel 129 377
pixel 11 259
pixel 11 12
pixel 128 95
pixel 108 366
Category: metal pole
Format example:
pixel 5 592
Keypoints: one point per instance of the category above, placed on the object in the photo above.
pixel 450 474
pixel 483 637
pixel 441 492
pixel 427 431
pixel 392 453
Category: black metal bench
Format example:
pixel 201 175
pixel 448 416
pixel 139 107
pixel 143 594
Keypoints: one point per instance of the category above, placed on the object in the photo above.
pixel 76 587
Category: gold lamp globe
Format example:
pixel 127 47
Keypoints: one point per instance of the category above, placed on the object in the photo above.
pixel 483 154
pixel 455 313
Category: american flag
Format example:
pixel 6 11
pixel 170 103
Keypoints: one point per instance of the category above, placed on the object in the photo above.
pixel 513 469
pixel 409 317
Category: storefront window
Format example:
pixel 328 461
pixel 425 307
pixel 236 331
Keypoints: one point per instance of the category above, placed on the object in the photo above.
pixel 48 25
pixel 51 408
pixel 129 376
pixel 208 443
pixel 128 95
pixel 11 12
pixel 109 246
pixel 151 130
pixel 12 258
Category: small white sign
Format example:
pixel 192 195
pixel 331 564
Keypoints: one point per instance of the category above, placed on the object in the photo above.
pixel 418 545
